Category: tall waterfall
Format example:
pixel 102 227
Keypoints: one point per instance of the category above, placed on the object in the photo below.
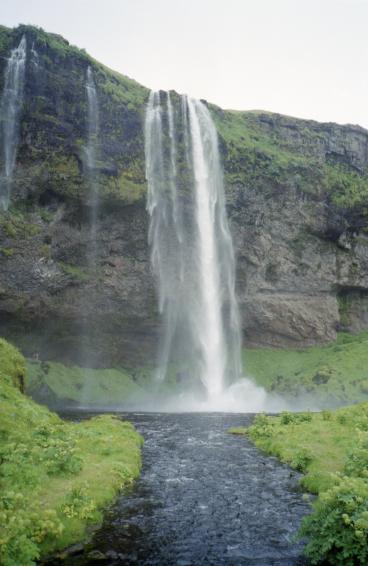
pixel 87 325
pixel 191 246
pixel 10 108
pixel 91 152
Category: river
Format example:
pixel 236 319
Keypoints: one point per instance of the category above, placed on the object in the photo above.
pixel 205 497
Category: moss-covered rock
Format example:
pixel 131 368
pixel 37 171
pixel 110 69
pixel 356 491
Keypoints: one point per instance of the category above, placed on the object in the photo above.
pixel 295 190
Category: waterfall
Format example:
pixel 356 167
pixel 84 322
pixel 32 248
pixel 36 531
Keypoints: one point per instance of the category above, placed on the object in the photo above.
pixel 90 168
pixel 10 109
pixel 91 152
pixel 87 325
pixel 191 247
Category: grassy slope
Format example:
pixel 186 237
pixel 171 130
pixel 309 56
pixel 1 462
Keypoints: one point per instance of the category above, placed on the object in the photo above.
pixel 95 387
pixel 92 386
pixel 55 476
pixel 318 444
pixel 331 448
pixel 336 373
pixel 254 154
pixel 331 375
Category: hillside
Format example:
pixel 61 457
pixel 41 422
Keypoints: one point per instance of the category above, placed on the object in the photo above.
pixel 295 189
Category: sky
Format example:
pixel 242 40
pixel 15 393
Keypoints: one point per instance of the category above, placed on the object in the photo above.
pixel 304 58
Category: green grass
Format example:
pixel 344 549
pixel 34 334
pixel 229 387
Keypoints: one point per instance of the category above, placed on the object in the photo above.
pixel 321 441
pixel 55 476
pixel 325 376
pixel 331 449
pixel 84 385
pixel 335 374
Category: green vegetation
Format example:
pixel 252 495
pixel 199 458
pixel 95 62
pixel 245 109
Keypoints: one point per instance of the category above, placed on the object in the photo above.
pixel 124 188
pixel 254 152
pixel 54 162
pixel 55 476
pixel 82 385
pixel 5 38
pixel 16 225
pixel 331 449
pixel 347 187
pixel 270 150
pixel 74 271
pixel 332 374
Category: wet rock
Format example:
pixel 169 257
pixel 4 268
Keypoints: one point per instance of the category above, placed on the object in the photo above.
pixel 97 556
pixel 297 251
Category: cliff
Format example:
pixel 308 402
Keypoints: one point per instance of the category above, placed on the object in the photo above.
pixel 296 196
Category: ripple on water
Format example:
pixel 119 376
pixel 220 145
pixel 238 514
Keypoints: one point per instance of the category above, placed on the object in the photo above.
pixel 204 498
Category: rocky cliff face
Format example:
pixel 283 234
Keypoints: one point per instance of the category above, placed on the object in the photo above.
pixel 296 195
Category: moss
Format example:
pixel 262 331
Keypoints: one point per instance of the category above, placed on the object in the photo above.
pixel 5 38
pixel 344 309
pixel 7 252
pixel 74 271
pixel 124 189
pixel 56 477
pixel 45 251
pixel 347 188
pixel 16 225
pixel 251 154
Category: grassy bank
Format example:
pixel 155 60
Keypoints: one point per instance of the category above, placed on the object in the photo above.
pixel 56 384
pixel 331 449
pixel 334 374
pixel 324 376
pixel 82 385
pixel 55 476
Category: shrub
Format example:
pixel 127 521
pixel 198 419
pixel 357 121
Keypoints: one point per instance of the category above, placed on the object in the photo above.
pixel 301 459
pixel 326 415
pixel 338 527
pixel 261 427
pixel 286 418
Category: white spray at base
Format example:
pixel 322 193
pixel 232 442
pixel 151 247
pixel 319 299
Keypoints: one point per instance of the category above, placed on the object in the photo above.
pixel 193 260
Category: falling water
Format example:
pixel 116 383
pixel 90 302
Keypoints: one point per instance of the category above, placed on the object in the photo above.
pixel 91 151
pixel 10 108
pixel 191 247
pixel 87 325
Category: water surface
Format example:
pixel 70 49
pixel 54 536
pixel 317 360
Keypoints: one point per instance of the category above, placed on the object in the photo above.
pixel 205 497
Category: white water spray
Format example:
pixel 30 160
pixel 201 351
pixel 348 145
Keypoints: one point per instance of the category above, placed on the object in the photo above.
pixel 191 247
pixel 10 109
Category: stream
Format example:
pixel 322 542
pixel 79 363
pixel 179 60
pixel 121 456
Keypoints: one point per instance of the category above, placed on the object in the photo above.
pixel 205 497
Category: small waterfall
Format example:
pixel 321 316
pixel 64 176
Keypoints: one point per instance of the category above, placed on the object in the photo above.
pixel 10 109
pixel 191 247
pixel 91 153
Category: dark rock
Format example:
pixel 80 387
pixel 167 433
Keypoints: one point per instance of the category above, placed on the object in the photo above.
pixel 97 556
pixel 299 252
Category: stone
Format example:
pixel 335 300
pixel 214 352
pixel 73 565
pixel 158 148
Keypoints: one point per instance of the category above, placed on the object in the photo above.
pixel 298 252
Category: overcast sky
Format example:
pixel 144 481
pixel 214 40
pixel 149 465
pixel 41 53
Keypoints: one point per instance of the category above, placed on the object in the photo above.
pixel 305 58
